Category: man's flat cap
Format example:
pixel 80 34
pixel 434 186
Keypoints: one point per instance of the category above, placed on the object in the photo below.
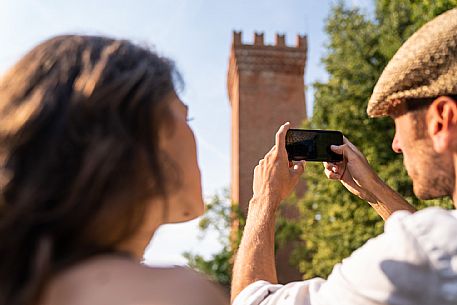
pixel 425 66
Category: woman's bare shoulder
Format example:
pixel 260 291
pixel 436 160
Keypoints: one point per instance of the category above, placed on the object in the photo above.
pixel 120 281
pixel 181 284
pixel 194 287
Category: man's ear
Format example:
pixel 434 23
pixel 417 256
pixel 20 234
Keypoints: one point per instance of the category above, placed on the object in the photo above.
pixel 442 123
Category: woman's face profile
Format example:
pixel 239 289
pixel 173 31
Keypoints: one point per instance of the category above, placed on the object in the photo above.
pixel 185 200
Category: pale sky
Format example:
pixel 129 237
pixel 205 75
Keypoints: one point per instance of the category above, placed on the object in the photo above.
pixel 196 34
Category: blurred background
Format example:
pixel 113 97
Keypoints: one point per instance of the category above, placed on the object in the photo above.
pixel 197 35
pixel 349 44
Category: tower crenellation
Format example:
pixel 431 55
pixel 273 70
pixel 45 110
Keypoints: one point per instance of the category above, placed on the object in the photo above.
pixel 259 39
pixel 259 56
pixel 302 42
pixel 279 42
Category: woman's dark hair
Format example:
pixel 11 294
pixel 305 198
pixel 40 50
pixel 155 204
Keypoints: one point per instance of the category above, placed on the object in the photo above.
pixel 79 157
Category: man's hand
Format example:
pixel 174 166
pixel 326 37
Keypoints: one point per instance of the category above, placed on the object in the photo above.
pixel 274 180
pixel 360 179
pixel 275 177
pixel 354 172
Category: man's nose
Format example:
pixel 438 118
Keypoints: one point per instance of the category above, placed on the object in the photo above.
pixel 396 145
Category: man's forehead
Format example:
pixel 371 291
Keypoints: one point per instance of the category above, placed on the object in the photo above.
pixel 397 109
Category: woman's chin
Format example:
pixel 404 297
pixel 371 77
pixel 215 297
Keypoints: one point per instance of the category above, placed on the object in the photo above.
pixel 193 211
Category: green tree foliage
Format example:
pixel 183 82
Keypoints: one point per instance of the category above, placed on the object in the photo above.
pixel 216 219
pixel 334 223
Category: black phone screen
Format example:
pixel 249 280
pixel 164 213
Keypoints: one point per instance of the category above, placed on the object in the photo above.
pixel 313 145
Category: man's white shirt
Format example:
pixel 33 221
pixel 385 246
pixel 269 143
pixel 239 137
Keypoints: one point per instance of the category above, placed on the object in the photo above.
pixel 414 262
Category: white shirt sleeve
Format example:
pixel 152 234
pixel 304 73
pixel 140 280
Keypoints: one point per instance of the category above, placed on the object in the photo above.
pixel 389 269
pixel 264 293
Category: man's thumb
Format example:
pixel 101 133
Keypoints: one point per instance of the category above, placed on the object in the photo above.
pixel 338 149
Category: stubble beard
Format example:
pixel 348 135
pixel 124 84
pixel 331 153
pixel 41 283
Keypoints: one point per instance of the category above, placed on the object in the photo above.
pixel 433 177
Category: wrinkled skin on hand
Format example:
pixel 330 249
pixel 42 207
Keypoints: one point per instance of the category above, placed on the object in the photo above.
pixel 275 177
pixel 354 172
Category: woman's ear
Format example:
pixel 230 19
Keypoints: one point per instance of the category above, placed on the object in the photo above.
pixel 442 123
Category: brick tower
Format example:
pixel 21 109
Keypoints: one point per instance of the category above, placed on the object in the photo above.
pixel 266 89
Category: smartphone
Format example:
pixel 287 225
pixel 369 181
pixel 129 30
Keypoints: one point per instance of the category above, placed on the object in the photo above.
pixel 313 145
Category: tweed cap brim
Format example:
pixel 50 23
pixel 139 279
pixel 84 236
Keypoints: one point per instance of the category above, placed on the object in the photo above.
pixel 424 66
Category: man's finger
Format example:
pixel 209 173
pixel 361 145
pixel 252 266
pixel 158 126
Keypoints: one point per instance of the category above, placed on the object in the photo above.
pixel 334 168
pixel 298 167
pixel 331 175
pixel 271 150
pixel 329 165
pixel 281 136
pixel 349 144
pixel 338 149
